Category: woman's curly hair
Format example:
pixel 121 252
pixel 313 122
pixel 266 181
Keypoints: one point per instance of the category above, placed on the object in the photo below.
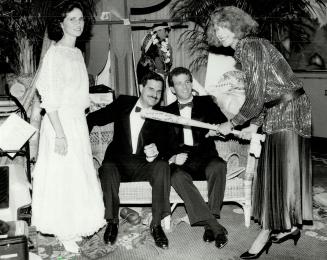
pixel 55 31
pixel 235 19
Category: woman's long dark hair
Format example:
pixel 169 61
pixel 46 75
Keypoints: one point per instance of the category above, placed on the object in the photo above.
pixel 57 17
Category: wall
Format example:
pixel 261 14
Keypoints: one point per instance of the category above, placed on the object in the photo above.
pixel 315 85
pixel 97 49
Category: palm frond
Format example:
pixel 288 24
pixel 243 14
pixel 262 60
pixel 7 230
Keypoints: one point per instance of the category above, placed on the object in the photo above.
pixel 278 19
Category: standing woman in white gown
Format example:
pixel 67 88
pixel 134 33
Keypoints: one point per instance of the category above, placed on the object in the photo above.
pixel 67 197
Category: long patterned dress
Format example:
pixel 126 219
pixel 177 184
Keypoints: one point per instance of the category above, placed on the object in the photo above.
pixel 283 188
pixel 67 196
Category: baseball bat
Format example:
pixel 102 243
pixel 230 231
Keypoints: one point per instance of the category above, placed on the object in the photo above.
pixel 256 139
pixel 180 120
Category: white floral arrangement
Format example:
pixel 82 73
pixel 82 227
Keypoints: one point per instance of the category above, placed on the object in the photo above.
pixel 163 46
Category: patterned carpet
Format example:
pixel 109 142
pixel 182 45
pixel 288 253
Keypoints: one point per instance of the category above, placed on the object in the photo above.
pixel 135 242
pixel 186 242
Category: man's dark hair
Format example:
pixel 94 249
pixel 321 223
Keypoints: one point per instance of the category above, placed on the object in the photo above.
pixel 152 76
pixel 176 72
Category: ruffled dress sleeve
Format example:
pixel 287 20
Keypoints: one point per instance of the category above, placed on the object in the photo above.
pixel 48 81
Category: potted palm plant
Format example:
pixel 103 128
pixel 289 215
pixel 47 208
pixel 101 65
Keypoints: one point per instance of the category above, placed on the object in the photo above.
pixel 21 32
pixel 288 24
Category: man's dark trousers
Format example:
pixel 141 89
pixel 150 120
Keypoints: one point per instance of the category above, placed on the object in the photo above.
pixel 211 169
pixel 133 168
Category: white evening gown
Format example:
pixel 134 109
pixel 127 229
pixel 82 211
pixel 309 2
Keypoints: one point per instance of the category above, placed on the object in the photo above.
pixel 67 196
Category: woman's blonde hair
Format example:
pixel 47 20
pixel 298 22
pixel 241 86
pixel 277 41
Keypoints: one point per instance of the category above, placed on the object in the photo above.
pixel 235 19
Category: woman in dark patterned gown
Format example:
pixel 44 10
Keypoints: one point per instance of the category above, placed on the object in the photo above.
pixel 275 100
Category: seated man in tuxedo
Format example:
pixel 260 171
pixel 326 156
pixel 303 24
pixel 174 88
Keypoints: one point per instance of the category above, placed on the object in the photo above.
pixel 192 156
pixel 134 155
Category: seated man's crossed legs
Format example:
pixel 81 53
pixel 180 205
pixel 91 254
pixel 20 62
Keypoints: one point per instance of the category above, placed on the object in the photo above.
pixel 133 169
pixel 199 212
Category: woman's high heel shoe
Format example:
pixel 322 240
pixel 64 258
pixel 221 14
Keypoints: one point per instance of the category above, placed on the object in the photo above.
pixel 294 235
pixel 248 255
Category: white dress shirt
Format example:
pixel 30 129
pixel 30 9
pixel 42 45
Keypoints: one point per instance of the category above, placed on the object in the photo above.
pixel 136 123
pixel 187 112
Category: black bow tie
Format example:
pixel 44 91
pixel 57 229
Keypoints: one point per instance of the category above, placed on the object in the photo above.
pixel 137 109
pixel 188 104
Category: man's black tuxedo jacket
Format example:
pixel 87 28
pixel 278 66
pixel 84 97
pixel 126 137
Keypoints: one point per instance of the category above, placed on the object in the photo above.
pixel 118 112
pixel 204 110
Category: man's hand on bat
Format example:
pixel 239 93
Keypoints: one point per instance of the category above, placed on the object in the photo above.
pixel 214 132
pixel 225 128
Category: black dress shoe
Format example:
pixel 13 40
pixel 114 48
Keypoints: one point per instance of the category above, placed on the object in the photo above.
pixel 248 255
pixel 159 236
pixel 111 232
pixel 221 240
pixel 208 236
